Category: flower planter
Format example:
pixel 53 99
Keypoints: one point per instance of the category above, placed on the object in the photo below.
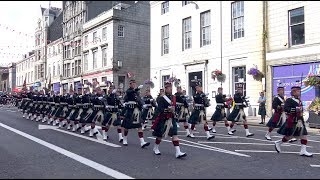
pixel 217 74
pixel 256 74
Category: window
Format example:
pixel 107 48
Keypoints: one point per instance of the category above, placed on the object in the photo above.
pixel 94 37
pixel 78 63
pixel 65 52
pixel 239 79
pixel 68 70
pixel 104 57
pixel 94 61
pixel 185 3
pixel 31 76
pixel 205 21
pixel 237 9
pixel 296 26
pixel 72 69
pixel 79 47
pixel 165 79
pixel 104 33
pixel 186 40
pixel 120 31
pixel 86 41
pixel 68 51
pixel 103 79
pixel 85 61
pixel 58 69
pixel 54 70
pixel 165 39
pixel 165 7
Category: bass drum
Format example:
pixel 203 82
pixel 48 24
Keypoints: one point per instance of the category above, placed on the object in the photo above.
pixel 305 116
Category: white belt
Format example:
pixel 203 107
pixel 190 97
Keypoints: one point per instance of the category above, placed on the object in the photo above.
pixel 56 103
pixel 86 104
pixel 179 103
pixel 198 105
pixel 64 103
pixel 239 104
pixel 110 106
pixel 79 104
pixel 131 102
pixel 220 104
pixel 98 106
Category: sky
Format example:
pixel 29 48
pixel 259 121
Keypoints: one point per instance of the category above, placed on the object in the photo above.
pixel 18 21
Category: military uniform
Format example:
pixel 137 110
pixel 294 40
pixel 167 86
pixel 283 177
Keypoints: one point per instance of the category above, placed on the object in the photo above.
pixel 279 116
pixel 294 125
pixel 165 123
pixel 132 116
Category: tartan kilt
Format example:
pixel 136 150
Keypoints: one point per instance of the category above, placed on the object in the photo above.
pixel 85 115
pixel 159 126
pixel 144 115
pixel 108 120
pixel 58 112
pixel 182 113
pixel 73 114
pixel 219 115
pixel 235 115
pixel 262 111
pixel 30 106
pixel 53 110
pixel 195 117
pixel 292 131
pixel 128 121
pixel 275 121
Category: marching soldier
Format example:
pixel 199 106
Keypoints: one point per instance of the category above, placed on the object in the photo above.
pixel 54 106
pixel 98 110
pixel 279 116
pixel 220 113
pixel 87 108
pixel 294 125
pixel 238 114
pixel 165 124
pixel 112 118
pixel 71 100
pixel 182 109
pixel 64 105
pixel 199 113
pixel 132 117
pixel 79 110
pixel 147 111
pixel 33 110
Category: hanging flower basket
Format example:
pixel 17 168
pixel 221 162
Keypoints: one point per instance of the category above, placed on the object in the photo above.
pixel 256 73
pixel 315 106
pixel 217 74
pixel 149 83
pixel 312 80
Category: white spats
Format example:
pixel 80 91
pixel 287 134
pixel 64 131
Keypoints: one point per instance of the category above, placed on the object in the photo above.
pixel 248 134
pixel 278 145
pixel 304 152
pixel 143 143
pixel 209 136
pixel 104 135
pixel 267 136
pixel 156 149
pixel 120 137
pixel 179 154
pixel 125 140
pixel 213 130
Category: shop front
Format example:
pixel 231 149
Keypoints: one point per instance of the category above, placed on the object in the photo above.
pixel 289 74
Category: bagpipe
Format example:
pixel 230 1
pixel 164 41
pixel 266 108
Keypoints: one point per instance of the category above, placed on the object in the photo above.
pixel 206 99
pixel 246 100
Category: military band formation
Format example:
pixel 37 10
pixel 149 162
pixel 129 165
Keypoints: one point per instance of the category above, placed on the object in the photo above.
pixel 81 112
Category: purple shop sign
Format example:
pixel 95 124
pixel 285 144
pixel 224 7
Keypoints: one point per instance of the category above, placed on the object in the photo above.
pixel 56 87
pixel 288 75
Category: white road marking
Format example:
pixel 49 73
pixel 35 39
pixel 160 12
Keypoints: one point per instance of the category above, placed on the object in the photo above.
pixel 222 137
pixel 11 111
pixel 186 132
pixel 262 144
pixel 258 151
pixel 250 138
pixel 313 165
pixel 77 135
pixel 83 160
pixel 308 139
pixel 215 148
pixel 200 147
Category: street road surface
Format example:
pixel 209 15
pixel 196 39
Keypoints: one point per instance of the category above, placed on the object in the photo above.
pixel 32 149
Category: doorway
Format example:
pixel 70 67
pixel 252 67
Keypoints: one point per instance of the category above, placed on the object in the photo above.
pixel 194 78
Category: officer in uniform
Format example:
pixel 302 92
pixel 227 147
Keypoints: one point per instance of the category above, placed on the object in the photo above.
pixel 132 117
pixel 199 113
pixel 294 125
pixel 98 110
pixel 279 116
pixel 70 99
pixel 112 118
pixel 220 114
pixel 238 114
pixel 36 104
pixel 64 105
pixel 165 123
pixel 53 106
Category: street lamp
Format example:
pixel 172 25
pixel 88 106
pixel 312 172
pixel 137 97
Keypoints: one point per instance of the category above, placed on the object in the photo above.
pixel 192 2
